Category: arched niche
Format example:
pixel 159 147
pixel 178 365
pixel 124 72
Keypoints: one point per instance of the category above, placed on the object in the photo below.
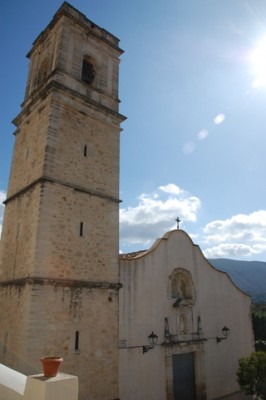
pixel 181 288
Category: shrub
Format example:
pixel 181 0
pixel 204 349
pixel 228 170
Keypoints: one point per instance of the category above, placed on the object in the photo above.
pixel 251 374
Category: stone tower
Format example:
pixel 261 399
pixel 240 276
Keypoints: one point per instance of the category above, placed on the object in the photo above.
pixel 59 267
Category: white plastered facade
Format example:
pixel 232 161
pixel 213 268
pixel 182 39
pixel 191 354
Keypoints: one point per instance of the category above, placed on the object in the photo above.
pixel 173 291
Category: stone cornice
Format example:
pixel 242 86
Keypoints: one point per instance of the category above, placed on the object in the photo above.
pixel 72 283
pixel 46 179
pixel 55 86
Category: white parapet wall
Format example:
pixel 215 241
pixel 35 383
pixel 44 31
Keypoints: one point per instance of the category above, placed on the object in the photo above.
pixel 12 384
pixel 16 386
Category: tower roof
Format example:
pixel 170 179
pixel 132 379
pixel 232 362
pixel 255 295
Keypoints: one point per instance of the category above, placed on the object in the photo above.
pixel 71 12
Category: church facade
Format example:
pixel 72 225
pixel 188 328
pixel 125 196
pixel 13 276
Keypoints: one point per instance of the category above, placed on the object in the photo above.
pixel 199 319
pixel 63 289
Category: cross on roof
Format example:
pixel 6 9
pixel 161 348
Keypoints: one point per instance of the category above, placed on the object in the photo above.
pixel 177 222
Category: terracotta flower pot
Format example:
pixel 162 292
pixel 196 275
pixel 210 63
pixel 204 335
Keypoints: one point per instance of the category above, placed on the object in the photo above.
pixel 51 365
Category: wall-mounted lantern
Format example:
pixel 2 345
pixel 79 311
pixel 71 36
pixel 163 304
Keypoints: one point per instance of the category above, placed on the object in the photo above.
pixel 225 332
pixel 152 338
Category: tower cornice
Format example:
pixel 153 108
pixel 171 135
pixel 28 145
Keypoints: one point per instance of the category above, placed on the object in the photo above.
pixel 53 85
pixel 39 280
pixel 72 13
pixel 46 179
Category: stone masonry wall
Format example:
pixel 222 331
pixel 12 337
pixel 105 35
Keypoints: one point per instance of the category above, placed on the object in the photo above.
pixel 15 309
pixel 61 251
pixel 62 311
pixel 29 148
pixel 82 148
pixel 19 235
pixel 48 315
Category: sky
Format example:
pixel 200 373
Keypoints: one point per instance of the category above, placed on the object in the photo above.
pixel 193 89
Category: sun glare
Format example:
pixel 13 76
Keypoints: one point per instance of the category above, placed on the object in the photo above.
pixel 258 60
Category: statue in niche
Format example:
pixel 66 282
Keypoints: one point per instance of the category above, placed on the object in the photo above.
pixel 181 290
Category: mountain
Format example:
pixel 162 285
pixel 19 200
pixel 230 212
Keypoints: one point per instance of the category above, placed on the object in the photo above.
pixel 249 276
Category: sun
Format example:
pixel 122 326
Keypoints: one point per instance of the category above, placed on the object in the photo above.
pixel 258 61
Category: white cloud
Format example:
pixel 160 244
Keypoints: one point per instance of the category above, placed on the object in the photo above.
pixel 230 250
pixel 242 235
pixel 2 198
pixel 155 214
pixel 171 188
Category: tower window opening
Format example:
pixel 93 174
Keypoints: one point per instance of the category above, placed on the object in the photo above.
pixel 77 341
pixel 17 229
pixel 81 226
pixel 88 73
pixel 42 72
pixel 85 150
pixel 26 154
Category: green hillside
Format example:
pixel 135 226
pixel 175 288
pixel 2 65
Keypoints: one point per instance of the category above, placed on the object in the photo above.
pixel 249 276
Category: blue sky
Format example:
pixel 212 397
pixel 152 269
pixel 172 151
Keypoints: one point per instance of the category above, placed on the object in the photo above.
pixel 192 85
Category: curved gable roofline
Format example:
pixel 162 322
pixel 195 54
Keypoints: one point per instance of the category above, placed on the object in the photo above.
pixel 140 254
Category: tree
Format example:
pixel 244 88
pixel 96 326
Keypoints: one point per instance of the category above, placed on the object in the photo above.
pixel 259 326
pixel 251 374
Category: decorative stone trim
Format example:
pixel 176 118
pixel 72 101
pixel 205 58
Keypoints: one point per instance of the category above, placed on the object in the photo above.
pixel 56 86
pixel 44 179
pixel 36 280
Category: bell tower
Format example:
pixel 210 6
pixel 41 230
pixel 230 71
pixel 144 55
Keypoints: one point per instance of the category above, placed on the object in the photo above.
pixel 59 263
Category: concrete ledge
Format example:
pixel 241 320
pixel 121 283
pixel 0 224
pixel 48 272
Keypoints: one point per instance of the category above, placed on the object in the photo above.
pixel 61 387
pixel 12 383
pixel 16 386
